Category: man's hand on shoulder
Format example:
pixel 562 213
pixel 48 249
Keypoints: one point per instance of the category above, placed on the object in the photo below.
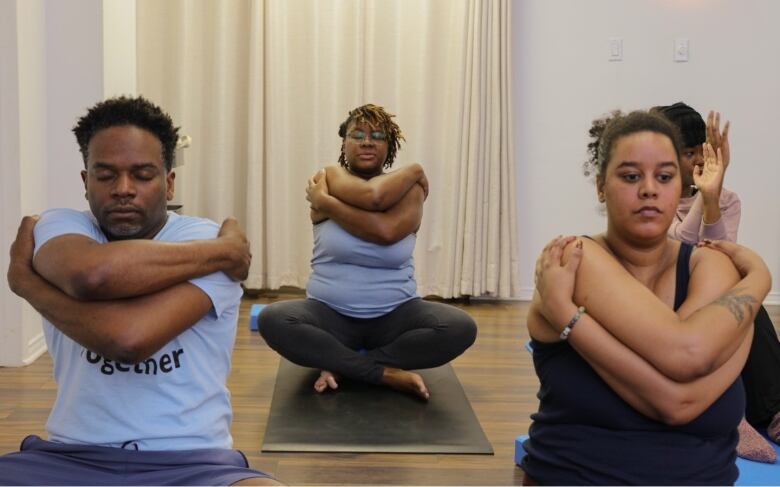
pixel 232 235
pixel 20 268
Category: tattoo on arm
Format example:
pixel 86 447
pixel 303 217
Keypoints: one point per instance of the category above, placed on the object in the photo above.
pixel 734 301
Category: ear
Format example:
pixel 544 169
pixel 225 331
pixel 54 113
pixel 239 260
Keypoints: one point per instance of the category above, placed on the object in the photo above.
pixel 600 190
pixel 84 179
pixel 169 179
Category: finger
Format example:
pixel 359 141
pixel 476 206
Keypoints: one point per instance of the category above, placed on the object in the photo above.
pixel 26 226
pixel 575 257
pixel 550 243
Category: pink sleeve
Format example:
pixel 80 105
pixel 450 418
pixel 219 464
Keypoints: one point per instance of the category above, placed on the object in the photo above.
pixel 687 229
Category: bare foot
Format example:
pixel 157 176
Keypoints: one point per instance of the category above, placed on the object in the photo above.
pixel 326 380
pixel 405 381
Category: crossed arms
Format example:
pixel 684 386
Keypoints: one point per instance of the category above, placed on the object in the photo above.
pixel 669 367
pixel 382 210
pixel 124 299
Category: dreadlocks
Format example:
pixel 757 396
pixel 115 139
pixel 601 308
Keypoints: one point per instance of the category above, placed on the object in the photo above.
pixel 377 117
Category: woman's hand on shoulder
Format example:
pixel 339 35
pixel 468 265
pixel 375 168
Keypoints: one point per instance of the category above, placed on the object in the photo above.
pixel 423 182
pixel 744 259
pixel 316 193
pixel 555 274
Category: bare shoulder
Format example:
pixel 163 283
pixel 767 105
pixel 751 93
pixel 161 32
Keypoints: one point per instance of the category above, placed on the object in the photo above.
pixel 710 261
pixel 712 274
pixel 592 247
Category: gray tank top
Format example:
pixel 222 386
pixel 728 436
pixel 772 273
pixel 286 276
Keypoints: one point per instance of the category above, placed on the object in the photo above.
pixel 359 278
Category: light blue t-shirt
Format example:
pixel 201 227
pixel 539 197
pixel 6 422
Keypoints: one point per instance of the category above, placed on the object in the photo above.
pixel 358 278
pixel 175 400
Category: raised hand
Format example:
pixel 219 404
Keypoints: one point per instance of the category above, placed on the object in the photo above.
pixel 709 176
pixel 718 139
pixel 232 235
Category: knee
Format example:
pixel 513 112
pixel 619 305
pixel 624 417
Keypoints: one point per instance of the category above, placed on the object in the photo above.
pixel 467 328
pixel 462 327
pixel 271 320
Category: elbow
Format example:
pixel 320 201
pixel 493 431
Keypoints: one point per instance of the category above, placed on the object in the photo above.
pixel 388 235
pixel 678 409
pixel 679 415
pixel 129 348
pixel 690 362
pixel 377 200
pixel 88 283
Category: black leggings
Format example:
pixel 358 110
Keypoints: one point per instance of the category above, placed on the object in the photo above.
pixel 761 375
pixel 416 335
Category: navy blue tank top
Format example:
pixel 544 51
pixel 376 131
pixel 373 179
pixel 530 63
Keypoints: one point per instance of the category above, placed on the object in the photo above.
pixel 584 433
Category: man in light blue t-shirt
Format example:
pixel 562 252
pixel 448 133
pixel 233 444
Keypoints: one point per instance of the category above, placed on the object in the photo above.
pixel 140 308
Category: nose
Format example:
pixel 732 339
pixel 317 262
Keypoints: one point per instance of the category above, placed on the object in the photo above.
pixel 648 188
pixel 123 187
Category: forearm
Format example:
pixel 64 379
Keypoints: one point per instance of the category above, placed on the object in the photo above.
pixel 727 227
pixel 679 348
pixel 381 227
pixel 125 330
pixel 367 225
pixel 133 267
pixel 645 388
pixel 710 209
pixel 633 378
pixel 687 229
pixel 376 194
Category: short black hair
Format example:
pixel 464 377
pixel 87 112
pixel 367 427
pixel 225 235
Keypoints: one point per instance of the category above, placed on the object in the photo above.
pixel 123 110
pixel 375 116
pixel 690 122
pixel 604 132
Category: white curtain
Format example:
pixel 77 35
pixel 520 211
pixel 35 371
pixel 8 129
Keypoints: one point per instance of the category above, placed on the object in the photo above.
pixel 262 86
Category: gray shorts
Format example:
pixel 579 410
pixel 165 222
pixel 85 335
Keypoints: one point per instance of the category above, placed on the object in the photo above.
pixel 41 462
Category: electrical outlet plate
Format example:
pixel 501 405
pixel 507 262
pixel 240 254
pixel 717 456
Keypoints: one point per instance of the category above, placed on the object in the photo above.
pixel 615 48
pixel 681 50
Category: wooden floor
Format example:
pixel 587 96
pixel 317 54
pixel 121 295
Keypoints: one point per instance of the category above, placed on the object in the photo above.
pixel 496 373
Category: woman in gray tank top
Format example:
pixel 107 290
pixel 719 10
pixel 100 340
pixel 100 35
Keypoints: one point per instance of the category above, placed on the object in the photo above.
pixel 362 318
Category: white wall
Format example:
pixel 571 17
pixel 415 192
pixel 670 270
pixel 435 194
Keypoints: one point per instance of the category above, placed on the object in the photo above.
pixel 563 80
pixel 55 64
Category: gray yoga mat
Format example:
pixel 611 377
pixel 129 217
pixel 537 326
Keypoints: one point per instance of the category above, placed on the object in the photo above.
pixel 361 417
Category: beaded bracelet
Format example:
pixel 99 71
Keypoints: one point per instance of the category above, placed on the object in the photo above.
pixel 573 321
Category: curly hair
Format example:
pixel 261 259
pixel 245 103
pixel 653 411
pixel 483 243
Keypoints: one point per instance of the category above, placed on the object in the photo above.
pixel 137 111
pixel 375 116
pixel 605 131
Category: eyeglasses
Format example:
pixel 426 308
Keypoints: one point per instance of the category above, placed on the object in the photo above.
pixel 375 135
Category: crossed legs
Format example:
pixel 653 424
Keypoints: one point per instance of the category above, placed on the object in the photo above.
pixel 416 335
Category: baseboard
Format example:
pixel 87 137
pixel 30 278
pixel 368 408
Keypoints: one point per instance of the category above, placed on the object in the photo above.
pixel 35 348
pixel 773 298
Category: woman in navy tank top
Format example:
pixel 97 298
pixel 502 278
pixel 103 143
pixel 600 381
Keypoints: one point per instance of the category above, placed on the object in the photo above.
pixel 639 339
